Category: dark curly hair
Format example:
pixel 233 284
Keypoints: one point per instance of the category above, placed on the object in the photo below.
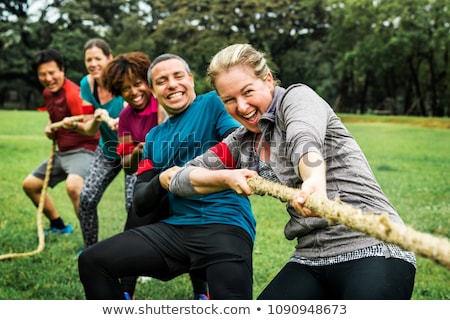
pixel 125 66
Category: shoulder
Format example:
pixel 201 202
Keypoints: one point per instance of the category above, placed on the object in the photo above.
pixel 114 106
pixel 300 89
pixel 301 95
pixel 211 95
pixel 211 101
pixel 72 91
pixel 126 111
pixel 239 136
pixel 70 85
pixel 87 82
pixel 154 133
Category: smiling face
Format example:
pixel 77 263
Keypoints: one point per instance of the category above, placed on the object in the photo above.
pixel 95 61
pixel 173 86
pixel 136 93
pixel 51 76
pixel 245 96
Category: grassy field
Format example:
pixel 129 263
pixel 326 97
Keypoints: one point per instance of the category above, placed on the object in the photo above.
pixel 409 156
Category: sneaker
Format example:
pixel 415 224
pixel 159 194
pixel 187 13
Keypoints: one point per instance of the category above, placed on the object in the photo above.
pixel 143 279
pixel 66 230
pixel 201 296
pixel 127 296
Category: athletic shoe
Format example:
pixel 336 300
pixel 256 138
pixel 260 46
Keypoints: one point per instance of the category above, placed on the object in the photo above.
pixel 143 279
pixel 127 296
pixel 201 296
pixel 66 230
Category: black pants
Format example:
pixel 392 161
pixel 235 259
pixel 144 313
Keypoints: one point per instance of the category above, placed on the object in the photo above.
pixel 371 278
pixel 222 253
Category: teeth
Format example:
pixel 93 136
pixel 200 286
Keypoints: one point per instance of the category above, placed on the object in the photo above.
pixel 248 116
pixel 175 95
pixel 137 99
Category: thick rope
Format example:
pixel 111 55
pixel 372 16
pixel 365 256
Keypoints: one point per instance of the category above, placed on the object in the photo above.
pixel 377 226
pixel 41 245
pixel 40 228
pixel 58 124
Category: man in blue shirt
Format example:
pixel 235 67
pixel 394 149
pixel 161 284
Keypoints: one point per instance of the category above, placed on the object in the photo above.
pixel 210 235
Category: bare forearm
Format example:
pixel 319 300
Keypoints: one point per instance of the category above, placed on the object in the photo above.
pixel 312 170
pixel 130 162
pixel 89 127
pixel 193 181
pixel 206 181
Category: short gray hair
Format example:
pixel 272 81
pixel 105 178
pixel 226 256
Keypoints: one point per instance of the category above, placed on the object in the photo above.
pixel 164 57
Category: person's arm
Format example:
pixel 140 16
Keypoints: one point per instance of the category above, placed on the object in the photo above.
pixel 49 132
pixel 312 170
pixel 215 170
pixel 79 126
pixel 194 181
pixel 77 107
pixel 92 125
pixel 148 193
pixel 130 153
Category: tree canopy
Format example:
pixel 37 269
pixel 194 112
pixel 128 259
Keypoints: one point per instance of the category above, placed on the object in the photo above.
pixel 379 56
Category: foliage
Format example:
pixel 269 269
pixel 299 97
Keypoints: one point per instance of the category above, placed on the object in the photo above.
pixel 363 56
pixel 391 49
pixel 409 160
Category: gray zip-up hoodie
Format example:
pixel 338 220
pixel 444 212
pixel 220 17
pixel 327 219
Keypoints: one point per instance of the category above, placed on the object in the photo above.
pixel 299 121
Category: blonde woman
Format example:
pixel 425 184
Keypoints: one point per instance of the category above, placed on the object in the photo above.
pixel 292 136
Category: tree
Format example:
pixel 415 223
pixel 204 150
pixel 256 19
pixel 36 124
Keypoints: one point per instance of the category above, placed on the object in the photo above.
pixel 361 55
pixel 392 50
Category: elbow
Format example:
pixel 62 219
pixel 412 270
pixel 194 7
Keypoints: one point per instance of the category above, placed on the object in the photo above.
pixel 181 184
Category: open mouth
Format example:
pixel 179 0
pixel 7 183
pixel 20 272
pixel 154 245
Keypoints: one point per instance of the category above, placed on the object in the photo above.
pixel 249 115
pixel 174 95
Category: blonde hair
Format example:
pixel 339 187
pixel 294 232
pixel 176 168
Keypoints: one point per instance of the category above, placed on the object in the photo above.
pixel 235 55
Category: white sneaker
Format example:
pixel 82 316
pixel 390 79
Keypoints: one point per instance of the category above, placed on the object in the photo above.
pixel 144 279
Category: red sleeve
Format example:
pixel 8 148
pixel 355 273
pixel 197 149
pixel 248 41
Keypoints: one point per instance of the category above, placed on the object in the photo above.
pixel 88 109
pixel 144 165
pixel 224 154
pixel 73 99
pixel 125 148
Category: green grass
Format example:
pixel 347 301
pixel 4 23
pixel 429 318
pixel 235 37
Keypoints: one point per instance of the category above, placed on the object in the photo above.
pixel 411 162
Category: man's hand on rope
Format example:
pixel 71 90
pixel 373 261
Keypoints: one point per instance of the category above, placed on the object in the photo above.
pixel 49 132
pixel 66 123
pixel 70 123
pixel 166 176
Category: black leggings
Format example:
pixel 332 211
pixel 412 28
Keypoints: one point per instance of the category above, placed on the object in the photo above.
pixel 128 254
pixel 371 278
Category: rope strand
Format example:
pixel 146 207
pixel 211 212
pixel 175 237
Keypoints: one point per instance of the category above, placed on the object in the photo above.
pixel 40 229
pixel 58 124
pixel 378 226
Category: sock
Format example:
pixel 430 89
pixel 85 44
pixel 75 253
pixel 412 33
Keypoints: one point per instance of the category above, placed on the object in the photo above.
pixel 57 223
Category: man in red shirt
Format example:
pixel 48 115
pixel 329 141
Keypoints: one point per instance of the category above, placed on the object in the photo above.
pixel 74 150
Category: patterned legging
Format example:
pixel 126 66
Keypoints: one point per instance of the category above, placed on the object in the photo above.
pixel 102 172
